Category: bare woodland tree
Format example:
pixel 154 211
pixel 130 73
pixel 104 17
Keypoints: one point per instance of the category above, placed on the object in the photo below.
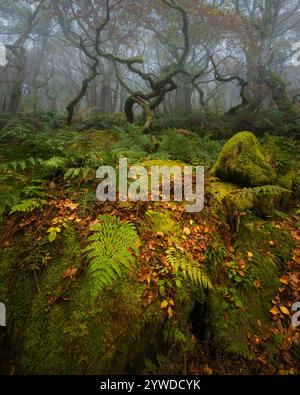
pixel 167 55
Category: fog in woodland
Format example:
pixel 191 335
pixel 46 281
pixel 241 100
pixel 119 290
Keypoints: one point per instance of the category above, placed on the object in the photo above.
pixel 85 57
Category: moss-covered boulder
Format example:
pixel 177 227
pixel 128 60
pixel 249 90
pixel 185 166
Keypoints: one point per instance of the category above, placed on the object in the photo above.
pixel 263 200
pixel 52 326
pixel 245 299
pixel 242 161
pixel 56 330
pixel 228 195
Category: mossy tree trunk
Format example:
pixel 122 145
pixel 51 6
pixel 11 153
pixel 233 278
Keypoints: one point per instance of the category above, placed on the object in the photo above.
pixel 277 87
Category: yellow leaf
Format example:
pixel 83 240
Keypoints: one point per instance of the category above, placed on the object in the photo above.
pixel 263 360
pixel 250 255
pixel 284 310
pixel 164 304
pixel 170 312
pixel 160 234
pixel 187 231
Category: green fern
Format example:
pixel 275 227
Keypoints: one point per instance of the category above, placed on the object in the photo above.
pixel 274 190
pixel 75 172
pixel 112 248
pixel 26 205
pixel 56 162
pixel 246 199
pixel 182 262
pixel 7 200
pixel 23 164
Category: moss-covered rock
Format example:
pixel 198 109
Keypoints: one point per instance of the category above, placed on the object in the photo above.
pixel 228 195
pixel 56 330
pixel 242 161
pixel 239 307
pixel 287 181
pixel 264 200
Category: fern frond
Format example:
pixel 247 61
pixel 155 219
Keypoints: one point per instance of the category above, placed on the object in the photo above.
pixel 112 248
pixel 26 206
pixel 75 172
pixel 264 190
pixel 190 269
pixel 56 162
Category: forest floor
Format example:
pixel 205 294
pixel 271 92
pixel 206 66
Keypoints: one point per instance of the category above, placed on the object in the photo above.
pixel 204 293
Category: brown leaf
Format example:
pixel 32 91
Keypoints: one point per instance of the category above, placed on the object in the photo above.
pixel 69 273
pixel 257 283
pixel 241 264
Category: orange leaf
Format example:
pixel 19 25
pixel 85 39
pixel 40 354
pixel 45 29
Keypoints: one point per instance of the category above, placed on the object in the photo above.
pixel 274 311
pixel 284 280
pixel 69 273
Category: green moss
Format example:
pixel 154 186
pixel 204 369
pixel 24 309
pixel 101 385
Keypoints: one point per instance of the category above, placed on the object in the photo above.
pixel 256 236
pixel 296 186
pixel 45 342
pixel 240 310
pixel 160 163
pixel 242 161
pixel 17 287
pixel 156 221
pixel 225 195
pixel 91 140
pixel 287 181
pixel 65 335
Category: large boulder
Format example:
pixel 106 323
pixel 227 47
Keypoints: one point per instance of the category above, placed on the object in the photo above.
pixel 57 330
pixel 243 162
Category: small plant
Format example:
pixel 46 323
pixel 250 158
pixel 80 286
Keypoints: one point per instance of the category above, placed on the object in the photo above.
pixel 112 249
pixel 55 230
pixel 182 262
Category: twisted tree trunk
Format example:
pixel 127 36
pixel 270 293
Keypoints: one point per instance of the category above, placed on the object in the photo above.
pixel 84 87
